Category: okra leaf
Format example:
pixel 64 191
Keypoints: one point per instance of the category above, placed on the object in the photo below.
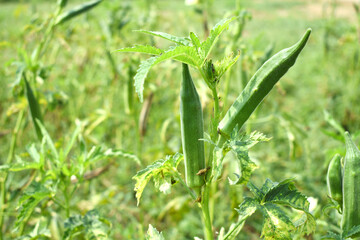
pixel 178 40
pixel 196 43
pixel 354 230
pixel 240 144
pixel 332 235
pixel 215 32
pixel 222 66
pixel 184 54
pixel 277 224
pixel 34 109
pixel 142 49
pixel 29 200
pixel 90 226
pixel 285 193
pixel 245 210
pixel 162 171
pixel 76 11
pixel 153 234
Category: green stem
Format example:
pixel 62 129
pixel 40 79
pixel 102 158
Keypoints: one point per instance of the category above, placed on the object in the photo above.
pixel 206 213
pixel 8 162
pixel 191 192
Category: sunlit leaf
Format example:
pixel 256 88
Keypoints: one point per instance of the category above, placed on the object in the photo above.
pixel 153 234
pixel 162 172
pixel 179 40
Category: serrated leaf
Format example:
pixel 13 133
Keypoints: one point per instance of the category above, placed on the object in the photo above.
pixel 30 199
pixel 122 153
pixel 91 226
pixel 215 32
pixel 76 11
pixel 332 235
pixel 246 165
pixel 184 54
pixel 159 170
pixel 142 49
pixel 34 108
pixel 285 193
pixel 153 234
pixel 259 195
pixel 354 230
pixel 277 224
pixel 222 66
pixel 196 43
pixel 179 40
pixel 245 210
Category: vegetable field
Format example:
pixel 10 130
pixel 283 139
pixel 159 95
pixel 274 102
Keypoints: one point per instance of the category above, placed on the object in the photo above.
pixel 200 119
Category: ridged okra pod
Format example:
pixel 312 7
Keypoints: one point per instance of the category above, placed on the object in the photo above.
pixel 334 179
pixel 260 85
pixel 351 186
pixel 192 130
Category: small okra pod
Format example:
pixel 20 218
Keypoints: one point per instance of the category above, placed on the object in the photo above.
pixel 334 179
pixel 351 187
pixel 192 130
pixel 260 85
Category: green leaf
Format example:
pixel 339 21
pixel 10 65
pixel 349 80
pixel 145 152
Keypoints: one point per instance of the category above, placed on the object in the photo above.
pixel 90 226
pixel 153 234
pixel 222 66
pixel 209 43
pixel 34 108
pixel 142 49
pixel 332 235
pixel 245 210
pixel 285 193
pixel 30 199
pixel 184 54
pixel 76 11
pixel 162 172
pixel 21 166
pixel 196 43
pixel 48 141
pixel 277 224
pixel 178 40
pixel 354 230
pixel 270 199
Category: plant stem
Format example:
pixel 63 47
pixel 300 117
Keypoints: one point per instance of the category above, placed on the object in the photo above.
pixel 9 161
pixel 206 213
pixel 192 194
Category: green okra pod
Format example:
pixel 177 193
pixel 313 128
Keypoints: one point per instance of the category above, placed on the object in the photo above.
pixel 351 187
pixel 334 179
pixel 260 85
pixel 192 130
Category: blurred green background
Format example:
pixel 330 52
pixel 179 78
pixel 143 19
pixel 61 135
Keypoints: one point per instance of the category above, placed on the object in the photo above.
pixel 82 78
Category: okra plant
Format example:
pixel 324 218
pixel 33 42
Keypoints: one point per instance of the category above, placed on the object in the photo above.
pixel 202 172
pixel 344 190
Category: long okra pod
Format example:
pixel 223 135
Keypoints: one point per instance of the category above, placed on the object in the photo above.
pixel 351 186
pixel 334 179
pixel 260 85
pixel 192 130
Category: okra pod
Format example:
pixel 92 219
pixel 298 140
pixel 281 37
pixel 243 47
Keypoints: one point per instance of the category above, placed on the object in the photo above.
pixel 351 186
pixel 260 85
pixel 334 179
pixel 192 130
